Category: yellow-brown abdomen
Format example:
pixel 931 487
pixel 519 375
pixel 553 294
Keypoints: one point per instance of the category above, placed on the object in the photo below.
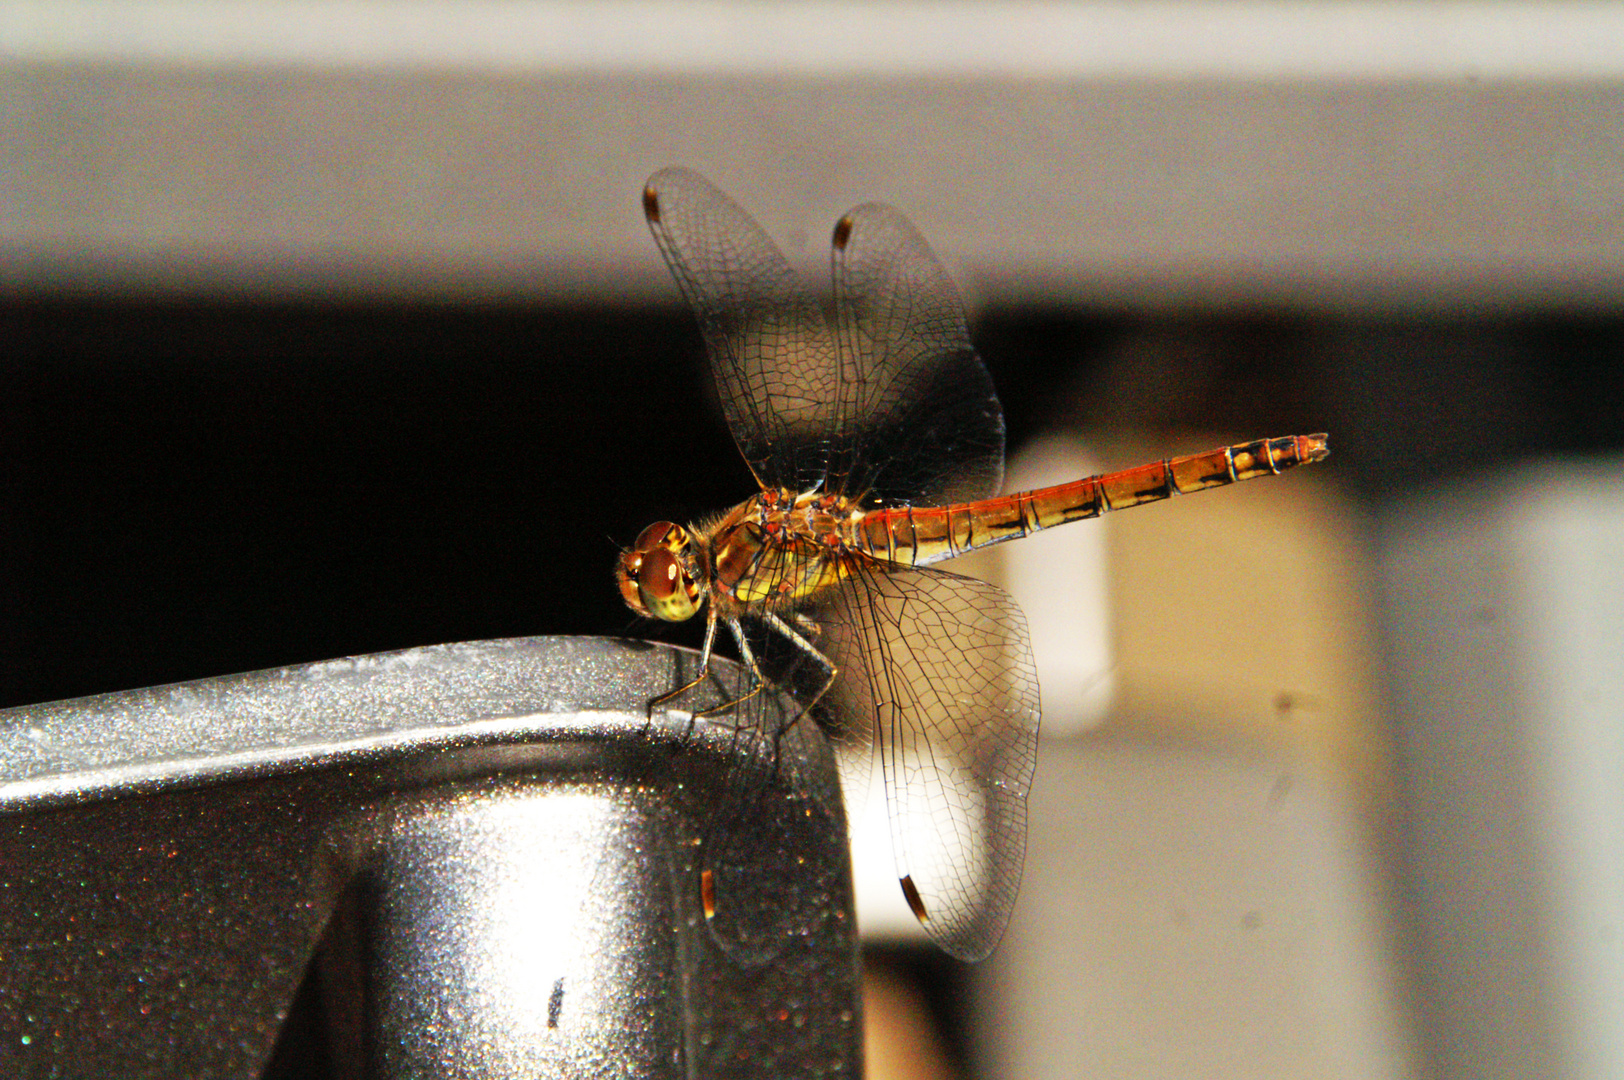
pixel 919 535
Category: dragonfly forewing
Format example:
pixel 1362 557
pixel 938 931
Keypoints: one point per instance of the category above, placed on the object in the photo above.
pixel 768 340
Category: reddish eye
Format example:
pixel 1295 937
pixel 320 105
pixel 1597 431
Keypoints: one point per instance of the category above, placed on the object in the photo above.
pixel 661 534
pixel 658 575
pixel 631 564
pixel 665 588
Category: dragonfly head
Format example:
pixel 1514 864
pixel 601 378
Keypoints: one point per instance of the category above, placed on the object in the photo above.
pixel 656 576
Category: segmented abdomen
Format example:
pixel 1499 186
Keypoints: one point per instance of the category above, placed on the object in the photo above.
pixel 918 535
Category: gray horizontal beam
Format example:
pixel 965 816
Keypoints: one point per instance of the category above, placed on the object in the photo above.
pixel 1361 157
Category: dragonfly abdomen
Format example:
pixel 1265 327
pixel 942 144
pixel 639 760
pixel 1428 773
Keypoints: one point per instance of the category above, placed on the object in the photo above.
pixel 916 536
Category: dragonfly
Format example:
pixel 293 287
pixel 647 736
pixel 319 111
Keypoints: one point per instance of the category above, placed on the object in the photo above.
pixel 877 442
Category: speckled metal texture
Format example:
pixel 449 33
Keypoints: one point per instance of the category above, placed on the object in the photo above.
pixel 496 850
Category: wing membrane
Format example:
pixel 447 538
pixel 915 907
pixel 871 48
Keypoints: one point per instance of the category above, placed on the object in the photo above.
pixel 768 340
pixel 920 421
pixel 937 676
pixel 774 805
pixel 902 410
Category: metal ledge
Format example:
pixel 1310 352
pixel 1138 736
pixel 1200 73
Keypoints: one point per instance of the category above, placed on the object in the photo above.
pixel 496 849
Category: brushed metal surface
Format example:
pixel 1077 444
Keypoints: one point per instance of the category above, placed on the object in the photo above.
pixel 496 850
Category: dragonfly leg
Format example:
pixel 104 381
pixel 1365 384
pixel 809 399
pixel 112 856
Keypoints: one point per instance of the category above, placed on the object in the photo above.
pixel 704 670
pixel 802 640
pixel 752 669
pixel 799 634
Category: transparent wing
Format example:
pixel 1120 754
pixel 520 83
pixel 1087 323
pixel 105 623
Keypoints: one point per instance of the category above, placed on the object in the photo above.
pixel 768 340
pixel 903 411
pixel 775 806
pixel 806 678
pixel 919 420
pixel 936 674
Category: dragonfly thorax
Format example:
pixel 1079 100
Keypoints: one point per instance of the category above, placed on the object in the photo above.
pixel 775 550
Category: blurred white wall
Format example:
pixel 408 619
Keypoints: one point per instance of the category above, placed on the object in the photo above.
pixel 1505 610
pixel 1193 912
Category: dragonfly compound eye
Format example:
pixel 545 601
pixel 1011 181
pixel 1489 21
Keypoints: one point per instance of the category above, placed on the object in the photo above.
pixel 626 572
pixel 664 534
pixel 667 589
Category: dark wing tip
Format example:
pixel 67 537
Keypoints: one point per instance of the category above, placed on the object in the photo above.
pixel 842 232
pixel 707 893
pixel 916 903
pixel 651 204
